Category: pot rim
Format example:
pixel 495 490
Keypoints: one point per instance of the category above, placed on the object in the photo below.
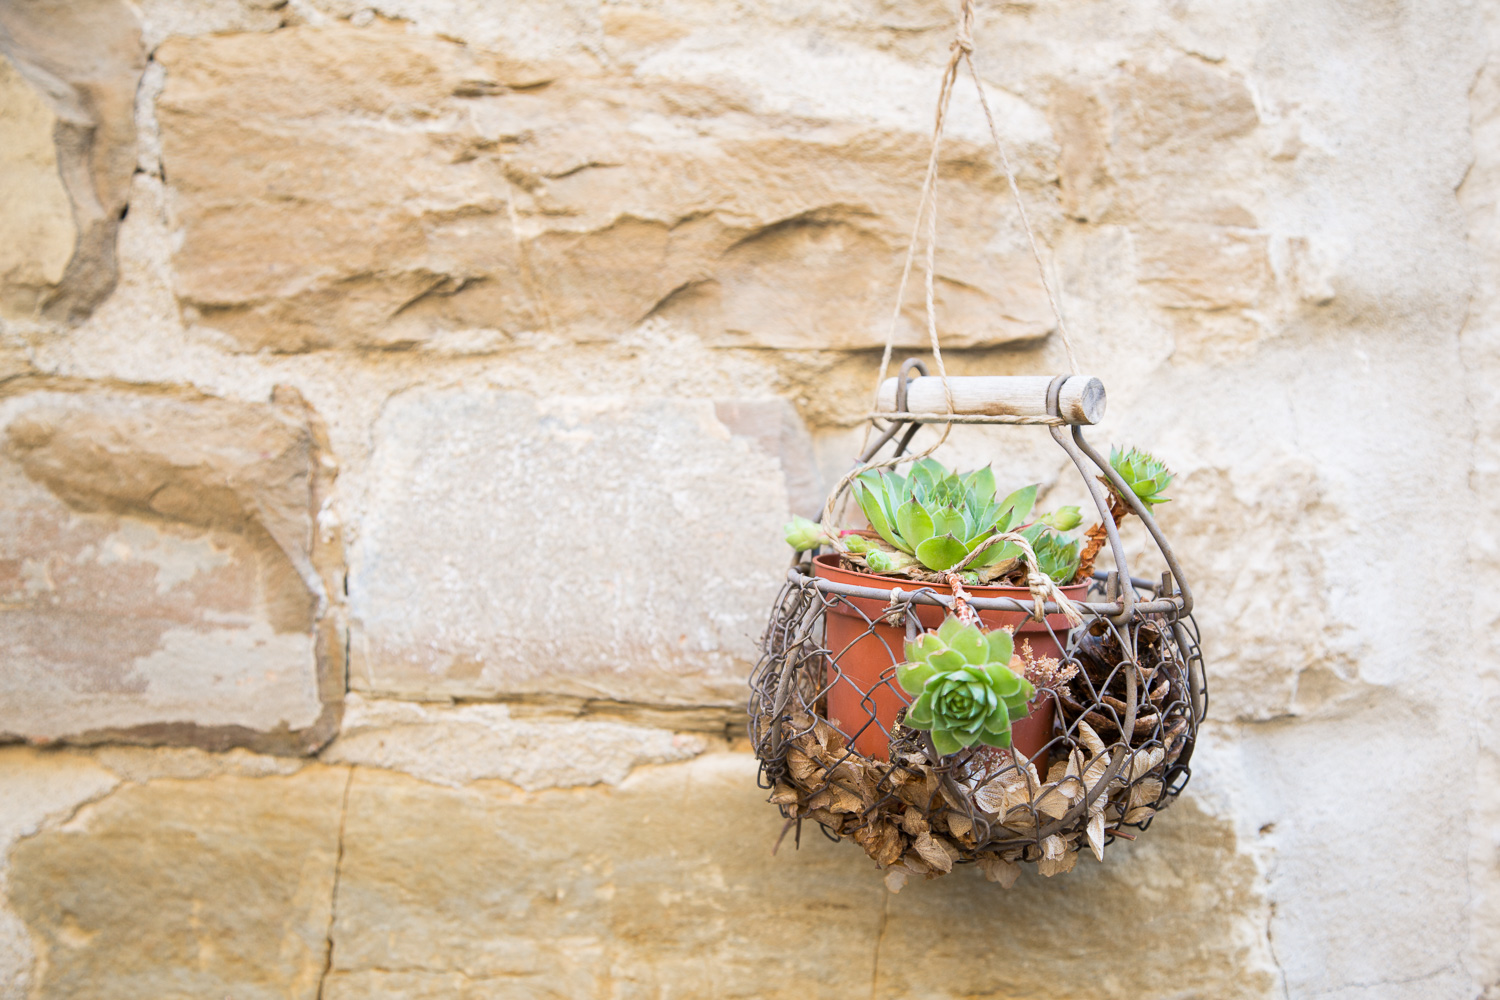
pixel 984 598
pixel 977 589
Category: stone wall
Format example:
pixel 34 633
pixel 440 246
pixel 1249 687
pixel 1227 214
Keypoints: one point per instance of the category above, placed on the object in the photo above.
pixel 400 401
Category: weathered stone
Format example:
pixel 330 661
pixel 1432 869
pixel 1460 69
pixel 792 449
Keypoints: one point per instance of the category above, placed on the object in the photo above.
pixel 1263 255
pixel 592 547
pixel 1205 267
pixel 1480 344
pixel 141 764
pixel 547 197
pixel 211 888
pixel 163 569
pixel 84 57
pixel 36 788
pixel 33 202
pixel 774 426
pixel 668 885
pixel 459 744
pixel 1269 630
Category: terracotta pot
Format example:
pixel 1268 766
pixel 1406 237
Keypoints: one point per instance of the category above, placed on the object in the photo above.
pixel 862 675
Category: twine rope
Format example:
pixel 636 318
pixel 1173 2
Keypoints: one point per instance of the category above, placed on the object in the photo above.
pixel 970 418
pixel 960 52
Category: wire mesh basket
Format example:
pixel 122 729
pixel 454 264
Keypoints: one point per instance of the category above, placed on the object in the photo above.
pixel 1119 700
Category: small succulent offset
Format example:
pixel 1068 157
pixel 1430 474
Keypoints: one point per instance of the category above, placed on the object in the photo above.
pixel 965 691
pixel 1145 475
pixel 1056 556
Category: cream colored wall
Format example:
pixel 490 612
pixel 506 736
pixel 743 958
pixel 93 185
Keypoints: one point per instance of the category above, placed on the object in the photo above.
pixel 392 494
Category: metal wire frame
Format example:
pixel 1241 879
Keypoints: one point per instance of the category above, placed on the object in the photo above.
pixel 1154 695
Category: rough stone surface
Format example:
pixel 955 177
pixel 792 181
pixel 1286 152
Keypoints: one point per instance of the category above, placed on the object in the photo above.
pixel 342 186
pixel 463 743
pixel 494 244
pixel 219 887
pixel 511 545
pixel 159 569
pixel 33 201
pixel 484 891
pixel 1480 196
pixel 36 788
pixel 84 58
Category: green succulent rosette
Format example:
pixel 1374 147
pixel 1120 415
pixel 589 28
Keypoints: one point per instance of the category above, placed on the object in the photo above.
pixel 1145 474
pixel 965 691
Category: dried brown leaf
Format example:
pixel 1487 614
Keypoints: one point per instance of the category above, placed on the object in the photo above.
pixel 1053 803
pixel 804 771
pixel 915 864
pixel 991 797
pixel 1020 820
pixel 1095 772
pixel 784 795
pixel 881 842
pixel 1143 762
pixel 950 797
pixel 831 740
pixel 935 851
pixel 914 822
pixel 1096 834
pixel 959 824
pixel 998 869
pixel 1139 814
pixel 1064 862
pixel 1145 793
pixel 1089 738
pixel 848 773
pixel 919 793
pixel 1057 771
pixel 825 817
pixel 845 801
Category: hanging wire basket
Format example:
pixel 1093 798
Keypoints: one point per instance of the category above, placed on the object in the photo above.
pixel 1122 696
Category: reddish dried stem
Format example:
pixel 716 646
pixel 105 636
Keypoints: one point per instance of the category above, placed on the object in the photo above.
pixel 1097 536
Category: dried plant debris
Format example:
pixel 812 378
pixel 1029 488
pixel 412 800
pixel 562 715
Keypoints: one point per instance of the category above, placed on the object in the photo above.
pixel 1122 725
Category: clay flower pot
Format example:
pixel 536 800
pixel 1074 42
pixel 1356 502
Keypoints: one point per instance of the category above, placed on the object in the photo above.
pixel 861 671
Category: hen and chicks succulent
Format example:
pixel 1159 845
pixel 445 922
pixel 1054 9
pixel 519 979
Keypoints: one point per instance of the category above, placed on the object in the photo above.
pixel 933 521
pixel 965 690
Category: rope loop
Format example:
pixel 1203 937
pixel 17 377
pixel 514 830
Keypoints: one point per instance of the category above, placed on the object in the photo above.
pixel 961 53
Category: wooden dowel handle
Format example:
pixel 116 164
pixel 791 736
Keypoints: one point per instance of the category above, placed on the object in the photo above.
pixel 1081 400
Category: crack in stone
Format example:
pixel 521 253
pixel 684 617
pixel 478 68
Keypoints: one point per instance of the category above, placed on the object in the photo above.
pixel 1286 990
pixel 885 918
pixel 333 896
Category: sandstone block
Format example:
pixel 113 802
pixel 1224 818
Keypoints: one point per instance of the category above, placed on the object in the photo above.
pixel 596 548
pixel 1270 633
pixel 667 886
pixel 162 571
pixel 343 186
pixel 36 788
pixel 1204 267
pixel 454 745
pixel 33 201
pixel 84 59
pixel 211 888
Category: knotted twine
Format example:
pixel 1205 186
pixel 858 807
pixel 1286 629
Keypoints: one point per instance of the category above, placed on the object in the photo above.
pixel 960 52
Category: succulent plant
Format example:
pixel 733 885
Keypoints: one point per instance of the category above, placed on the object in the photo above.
pixel 965 691
pixel 1145 475
pixel 1062 519
pixel 937 517
pixel 803 534
pixel 1056 556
